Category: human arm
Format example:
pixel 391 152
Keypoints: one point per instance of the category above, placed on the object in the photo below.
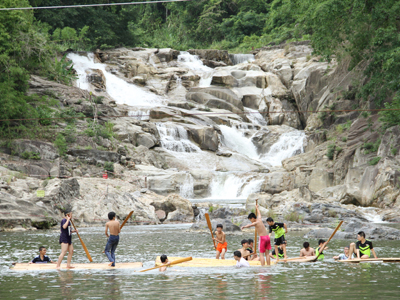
pixel 107 230
pixel 336 257
pixel 301 253
pixel 249 225
pixel 373 252
pixel 258 212
pixel 65 225
pixel 285 226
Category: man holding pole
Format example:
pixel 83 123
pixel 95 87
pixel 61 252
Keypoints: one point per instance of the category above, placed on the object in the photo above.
pixel 66 240
pixel 265 242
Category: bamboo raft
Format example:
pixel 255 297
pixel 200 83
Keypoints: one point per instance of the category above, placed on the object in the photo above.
pixel 86 266
pixel 384 259
pixel 209 262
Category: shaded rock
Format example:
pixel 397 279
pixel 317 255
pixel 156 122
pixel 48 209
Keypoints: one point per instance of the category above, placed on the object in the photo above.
pixel 45 150
pixel 228 226
pixel 211 54
pixel 95 156
pixel 176 208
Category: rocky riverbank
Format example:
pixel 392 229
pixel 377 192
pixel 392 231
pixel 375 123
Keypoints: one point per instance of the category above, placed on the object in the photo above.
pixel 171 126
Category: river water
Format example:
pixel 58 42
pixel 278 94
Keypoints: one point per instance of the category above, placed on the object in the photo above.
pixel 322 280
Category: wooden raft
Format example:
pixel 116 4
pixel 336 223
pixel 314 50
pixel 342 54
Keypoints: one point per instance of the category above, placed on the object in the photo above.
pixel 384 259
pixel 298 259
pixel 209 262
pixel 87 266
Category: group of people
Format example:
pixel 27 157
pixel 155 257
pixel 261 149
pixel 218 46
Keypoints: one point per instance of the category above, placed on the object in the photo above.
pixel 361 249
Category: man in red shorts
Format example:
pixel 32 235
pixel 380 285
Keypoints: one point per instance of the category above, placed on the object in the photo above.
pixel 221 240
pixel 264 241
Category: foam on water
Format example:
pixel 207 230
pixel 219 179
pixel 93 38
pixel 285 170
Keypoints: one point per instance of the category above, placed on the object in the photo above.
pixel 255 117
pixel 235 140
pixel 241 58
pixel 175 138
pixel 193 63
pixel 120 90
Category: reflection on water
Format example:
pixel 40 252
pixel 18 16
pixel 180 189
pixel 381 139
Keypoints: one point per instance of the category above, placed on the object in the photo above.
pixel 329 279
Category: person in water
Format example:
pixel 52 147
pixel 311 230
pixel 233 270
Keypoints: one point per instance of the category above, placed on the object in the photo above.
pixel 279 229
pixel 345 255
pixel 42 258
pixel 264 240
pixel 165 262
pixel 281 255
pixel 241 262
pixel 363 248
pixel 307 250
pixel 114 228
pixel 244 250
pixel 222 245
pixel 66 240
pixel 251 249
pixel 320 249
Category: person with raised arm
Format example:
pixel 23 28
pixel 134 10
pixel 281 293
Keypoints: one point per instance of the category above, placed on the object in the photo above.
pixel 264 239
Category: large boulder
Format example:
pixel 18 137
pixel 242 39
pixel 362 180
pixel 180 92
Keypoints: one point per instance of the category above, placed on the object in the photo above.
pixel 95 156
pixel 211 54
pixel 205 137
pixel 176 208
pixel 45 150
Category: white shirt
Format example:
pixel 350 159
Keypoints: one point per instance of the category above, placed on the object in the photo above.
pixel 242 263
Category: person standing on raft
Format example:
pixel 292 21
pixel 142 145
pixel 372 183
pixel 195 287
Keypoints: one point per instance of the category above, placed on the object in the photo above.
pixel 66 240
pixel 113 239
pixel 280 229
pixel 220 238
pixel 264 240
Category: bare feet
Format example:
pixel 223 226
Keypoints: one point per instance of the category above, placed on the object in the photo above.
pixel 110 264
pixel 70 267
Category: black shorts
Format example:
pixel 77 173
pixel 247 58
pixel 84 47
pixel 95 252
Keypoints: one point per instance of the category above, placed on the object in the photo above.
pixel 280 241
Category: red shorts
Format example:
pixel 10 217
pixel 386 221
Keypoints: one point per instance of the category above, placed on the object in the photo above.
pixel 264 243
pixel 222 246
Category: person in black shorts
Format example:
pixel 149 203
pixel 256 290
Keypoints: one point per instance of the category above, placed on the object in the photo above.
pixel 279 229
pixel 66 240
pixel 363 248
pixel 42 258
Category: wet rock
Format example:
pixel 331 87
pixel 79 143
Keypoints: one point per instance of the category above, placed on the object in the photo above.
pixel 228 226
pixel 205 137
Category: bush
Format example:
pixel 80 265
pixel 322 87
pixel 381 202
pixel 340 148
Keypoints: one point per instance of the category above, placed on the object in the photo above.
pixel 374 161
pixel 30 155
pixel 61 144
pixel 271 214
pixel 109 166
pixel 330 151
pixel 371 147
pixel 393 151
pixel 344 139
pixel 292 216
pixel 70 134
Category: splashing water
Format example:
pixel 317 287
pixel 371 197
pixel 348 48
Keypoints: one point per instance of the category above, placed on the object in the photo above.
pixel 233 186
pixel 255 117
pixel 120 90
pixel 175 138
pixel 193 63
pixel 186 188
pixel 241 58
pixel 235 140
pixel 288 145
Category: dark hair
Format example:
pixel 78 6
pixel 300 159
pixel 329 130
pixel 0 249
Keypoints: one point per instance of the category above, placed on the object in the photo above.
pixel 244 242
pixel 111 215
pixel 269 219
pixel 220 226
pixel 306 244
pixel 66 212
pixel 163 258
pixel 237 253
pixel 362 234
pixel 41 248
pixel 252 216
pixel 321 241
pixel 250 241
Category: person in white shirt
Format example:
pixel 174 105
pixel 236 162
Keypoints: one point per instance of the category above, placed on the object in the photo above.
pixel 345 255
pixel 241 262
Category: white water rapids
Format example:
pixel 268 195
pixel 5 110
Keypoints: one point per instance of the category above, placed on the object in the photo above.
pixel 193 63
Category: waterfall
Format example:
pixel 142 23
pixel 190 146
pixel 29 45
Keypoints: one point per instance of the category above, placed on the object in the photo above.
pixel 201 215
pixel 186 188
pixel 175 138
pixel 193 63
pixel 140 115
pixel 233 186
pixel 241 58
pixel 255 117
pixel 235 140
pixel 289 144
pixel 120 90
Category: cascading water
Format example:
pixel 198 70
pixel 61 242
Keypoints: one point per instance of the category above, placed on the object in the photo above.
pixel 186 188
pixel 255 117
pixel 193 63
pixel 288 144
pixel 175 138
pixel 235 140
pixel 120 90
pixel 241 58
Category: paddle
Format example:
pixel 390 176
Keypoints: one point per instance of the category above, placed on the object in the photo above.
pixel 326 243
pixel 83 244
pixel 255 235
pixel 126 219
pixel 210 227
pixel 175 262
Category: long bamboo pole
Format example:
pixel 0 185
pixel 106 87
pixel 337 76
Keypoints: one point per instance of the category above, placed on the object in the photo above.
pixel 126 219
pixel 83 244
pixel 326 243
pixel 175 262
pixel 210 227
pixel 255 234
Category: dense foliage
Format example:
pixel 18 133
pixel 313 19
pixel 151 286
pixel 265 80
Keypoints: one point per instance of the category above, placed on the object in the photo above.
pixel 360 30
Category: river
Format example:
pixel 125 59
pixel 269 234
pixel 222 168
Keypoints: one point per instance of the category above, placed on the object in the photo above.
pixel 322 280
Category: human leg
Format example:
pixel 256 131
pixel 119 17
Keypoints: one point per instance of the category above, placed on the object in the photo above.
pixel 113 248
pixel 107 250
pixel 262 260
pixel 352 249
pixel 276 252
pixel 268 257
pixel 284 251
pixel 223 253
pixel 64 250
pixel 70 252
pixel 218 254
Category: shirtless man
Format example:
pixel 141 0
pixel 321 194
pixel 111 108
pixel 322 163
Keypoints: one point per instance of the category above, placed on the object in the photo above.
pixel 113 239
pixel 221 240
pixel 165 263
pixel 66 240
pixel 245 252
pixel 307 250
pixel 265 242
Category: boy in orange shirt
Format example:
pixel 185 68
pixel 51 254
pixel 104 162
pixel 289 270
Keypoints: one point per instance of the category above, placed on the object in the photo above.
pixel 222 246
